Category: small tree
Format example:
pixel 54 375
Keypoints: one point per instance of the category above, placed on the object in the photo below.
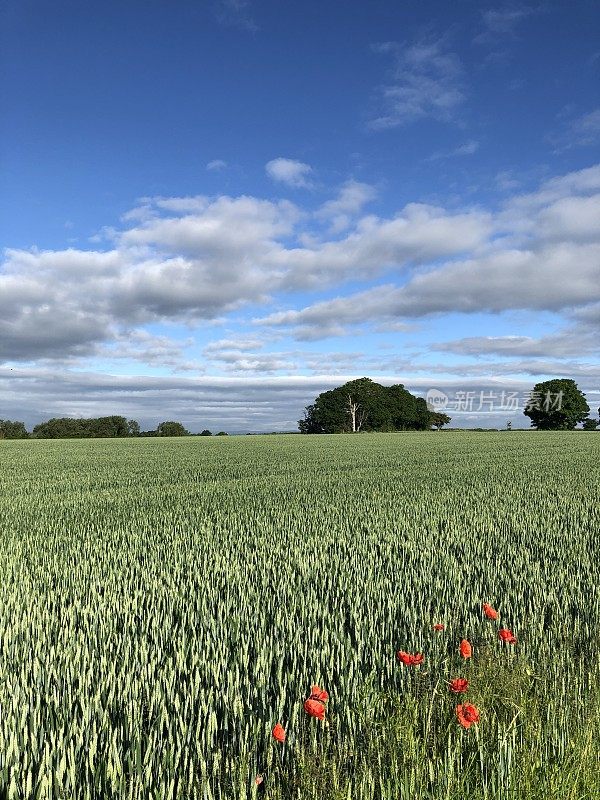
pixel 206 432
pixel 556 405
pixel 133 427
pixel 438 419
pixel 222 433
pixel 171 428
pixel 590 424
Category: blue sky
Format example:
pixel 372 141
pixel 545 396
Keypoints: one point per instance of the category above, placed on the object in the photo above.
pixel 212 211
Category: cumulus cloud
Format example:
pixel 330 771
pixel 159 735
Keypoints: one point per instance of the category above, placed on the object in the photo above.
pixel 426 82
pixel 195 260
pixel 543 253
pixel 511 279
pixel 292 173
pixel 216 164
pixel 583 182
pixel 350 201
pixel 417 234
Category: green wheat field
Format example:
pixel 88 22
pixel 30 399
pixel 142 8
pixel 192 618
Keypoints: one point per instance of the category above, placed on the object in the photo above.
pixel 164 603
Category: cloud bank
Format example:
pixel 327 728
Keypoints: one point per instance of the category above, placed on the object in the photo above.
pixel 275 280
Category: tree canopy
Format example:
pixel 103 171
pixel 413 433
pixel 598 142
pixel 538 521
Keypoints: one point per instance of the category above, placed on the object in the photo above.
pixel 12 430
pixel 438 420
pixel 93 428
pixel 171 428
pixel 363 405
pixel 556 405
pixel 90 428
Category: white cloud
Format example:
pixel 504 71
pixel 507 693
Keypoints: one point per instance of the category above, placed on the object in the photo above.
pixel 215 348
pixel 543 253
pixel 216 165
pixel 292 173
pixel 417 234
pixel 351 199
pixel 427 82
pixel 243 355
pixel 192 260
pixel 511 279
pixel 578 339
pixel 582 182
pixel 150 349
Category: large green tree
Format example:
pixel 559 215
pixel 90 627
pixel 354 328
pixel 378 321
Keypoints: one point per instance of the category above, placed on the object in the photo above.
pixel 363 405
pixel 556 405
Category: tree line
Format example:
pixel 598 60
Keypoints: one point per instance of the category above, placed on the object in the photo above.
pixel 363 405
pixel 113 427
pixel 358 406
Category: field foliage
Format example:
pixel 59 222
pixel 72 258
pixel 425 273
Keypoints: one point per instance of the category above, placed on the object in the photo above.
pixel 165 602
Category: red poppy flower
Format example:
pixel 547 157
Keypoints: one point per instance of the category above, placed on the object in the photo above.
pixel 409 659
pixel 279 733
pixel 314 708
pixel 465 648
pixel 490 612
pixel 438 626
pixel 318 694
pixel 467 715
pixel 258 780
pixel 507 636
pixel 458 685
